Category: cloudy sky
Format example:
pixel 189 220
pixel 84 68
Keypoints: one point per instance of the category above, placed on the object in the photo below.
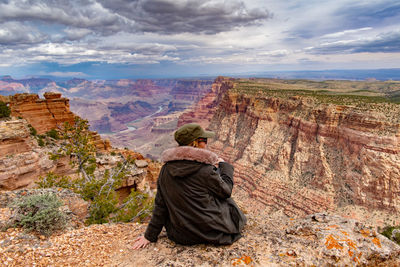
pixel 171 38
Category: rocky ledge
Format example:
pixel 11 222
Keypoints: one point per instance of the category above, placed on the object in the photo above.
pixel 276 240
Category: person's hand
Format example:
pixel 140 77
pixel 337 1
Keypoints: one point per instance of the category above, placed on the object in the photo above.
pixel 141 242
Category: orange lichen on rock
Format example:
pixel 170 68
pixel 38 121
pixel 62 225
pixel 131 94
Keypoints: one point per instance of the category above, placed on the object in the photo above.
pixel 332 242
pixel 377 242
pixel 364 232
pixel 244 259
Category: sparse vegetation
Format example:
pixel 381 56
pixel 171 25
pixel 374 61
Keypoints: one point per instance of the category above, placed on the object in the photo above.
pixel 393 233
pixel 99 189
pixel 39 213
pixel 335 92
pixel 382 97
pixel 40 141
pixel 53 180
pixel 4 110
pixel 137 207
pixel 53 134
pixel 32 130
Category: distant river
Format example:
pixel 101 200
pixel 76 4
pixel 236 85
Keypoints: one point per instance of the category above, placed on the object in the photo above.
pixel 132 128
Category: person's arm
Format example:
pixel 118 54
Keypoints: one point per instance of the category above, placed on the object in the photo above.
pixel 157 221
pixel 220 181
pixel 158 218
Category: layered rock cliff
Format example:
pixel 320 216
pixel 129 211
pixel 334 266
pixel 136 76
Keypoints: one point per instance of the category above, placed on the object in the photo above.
pixel 42 114
pixel 204 109
pixel 46 114
pixel 22 161
pixel 302 154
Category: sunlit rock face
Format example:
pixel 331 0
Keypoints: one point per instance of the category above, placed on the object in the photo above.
pixel 302 156
pixel 22 161
pixel 204 109
pixel 43 114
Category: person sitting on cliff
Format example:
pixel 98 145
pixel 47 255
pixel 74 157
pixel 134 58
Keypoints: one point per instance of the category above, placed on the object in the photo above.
pixel 193 200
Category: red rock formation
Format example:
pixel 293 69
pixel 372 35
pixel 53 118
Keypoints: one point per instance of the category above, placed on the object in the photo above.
pixel 190 90
pixel 49 113
pixel 22 161
pixel 4 99
pixel 299 156
pixel 204 109
pixel 42 114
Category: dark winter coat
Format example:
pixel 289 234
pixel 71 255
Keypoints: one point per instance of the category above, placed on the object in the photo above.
pixel 193 200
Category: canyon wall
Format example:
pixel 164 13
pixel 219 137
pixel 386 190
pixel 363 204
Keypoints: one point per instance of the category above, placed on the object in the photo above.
pixel 46 114
pixel 298 155
pixel 204 109
pixel 42 114
pixel 22 161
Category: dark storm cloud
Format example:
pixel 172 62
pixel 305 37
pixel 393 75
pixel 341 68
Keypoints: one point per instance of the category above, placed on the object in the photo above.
pixel 386 43
pixel 145 49
pixel 191 16
pixel 357 14
pixel 15 33
pixel 369 14
pixel 78 14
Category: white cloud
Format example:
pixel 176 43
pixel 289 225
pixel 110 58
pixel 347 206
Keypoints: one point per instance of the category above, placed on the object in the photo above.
pixel 113 32
pixel 66 74
pixel 346 32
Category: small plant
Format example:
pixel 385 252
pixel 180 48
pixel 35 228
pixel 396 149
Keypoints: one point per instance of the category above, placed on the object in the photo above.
pixel 113 153
pixel 98 188
pixel 137 207
pixel 40 141
pixel 53 180
pixel 53 134
pixel 393 233
pixel 4 110
pixel 32 130
pixel 39 213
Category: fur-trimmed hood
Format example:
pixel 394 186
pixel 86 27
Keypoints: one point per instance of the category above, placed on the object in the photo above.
pixel 189 153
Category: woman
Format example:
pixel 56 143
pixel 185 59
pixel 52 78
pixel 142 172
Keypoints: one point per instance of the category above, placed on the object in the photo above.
pixel 193 200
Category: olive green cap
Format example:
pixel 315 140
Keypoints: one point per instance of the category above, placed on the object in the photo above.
pixel 189 132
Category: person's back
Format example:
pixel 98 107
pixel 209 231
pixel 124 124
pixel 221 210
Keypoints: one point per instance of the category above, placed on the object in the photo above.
pixel 193 197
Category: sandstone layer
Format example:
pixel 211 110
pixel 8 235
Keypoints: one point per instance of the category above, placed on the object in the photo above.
pixel 42 114
pixel 203 110
pixel 47 114
pixel 298 154
pixel 22 161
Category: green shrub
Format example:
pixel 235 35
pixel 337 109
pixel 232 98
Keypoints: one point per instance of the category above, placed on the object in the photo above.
pixel 53 134
pixel 104 204
pixel 40 142
pixel 39 213
pixel 97 188
pixel 102 207
pixel 32 130
pixel 4 110
pixel 137 207
pixel 53 180
pixel 388 232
